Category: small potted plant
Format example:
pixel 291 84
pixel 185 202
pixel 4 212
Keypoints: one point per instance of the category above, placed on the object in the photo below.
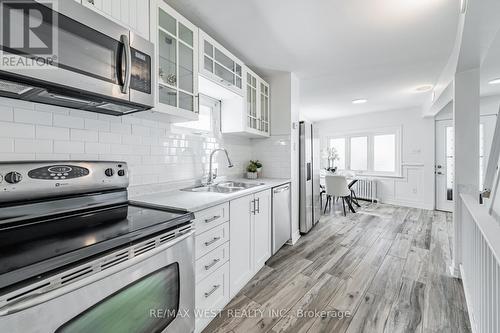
pixel 258 165
pixel 251 171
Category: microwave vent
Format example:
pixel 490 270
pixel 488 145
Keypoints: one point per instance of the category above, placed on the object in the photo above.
pixel 14 88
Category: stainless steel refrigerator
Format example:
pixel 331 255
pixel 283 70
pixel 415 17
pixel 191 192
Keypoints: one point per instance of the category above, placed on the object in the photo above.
pixel 309 157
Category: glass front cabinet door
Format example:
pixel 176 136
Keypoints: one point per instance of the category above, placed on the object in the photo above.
pixel 219 65
pixel 257 104
pixel 177 62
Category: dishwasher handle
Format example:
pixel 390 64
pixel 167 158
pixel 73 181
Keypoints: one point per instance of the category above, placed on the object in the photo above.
pixel 281 189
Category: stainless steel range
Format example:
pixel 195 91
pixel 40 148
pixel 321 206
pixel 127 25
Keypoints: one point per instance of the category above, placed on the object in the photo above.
pixel 77 256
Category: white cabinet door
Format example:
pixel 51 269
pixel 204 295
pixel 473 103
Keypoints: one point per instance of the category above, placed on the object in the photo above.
pixel 133 14
pixel 241 243
pixel 176 76
pixel 253 121
pixel 264 107
pixel 219 65
pixel 262 227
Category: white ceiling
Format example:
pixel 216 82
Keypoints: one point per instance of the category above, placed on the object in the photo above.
pixel 341 50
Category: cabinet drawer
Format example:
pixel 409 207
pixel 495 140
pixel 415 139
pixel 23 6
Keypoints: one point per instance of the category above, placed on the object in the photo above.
pixel 211 294
pixel 211 261
pixel 211 217
pixel 211 239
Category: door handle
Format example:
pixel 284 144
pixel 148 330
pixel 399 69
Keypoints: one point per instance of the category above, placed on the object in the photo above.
pixel 258 206
pixel 252 208
pixel 214 262
pixel 215 239
pixel 214 289
pixel 212 219
pixel 128 64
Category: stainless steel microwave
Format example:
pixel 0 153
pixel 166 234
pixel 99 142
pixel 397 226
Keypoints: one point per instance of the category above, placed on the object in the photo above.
pixel 94 64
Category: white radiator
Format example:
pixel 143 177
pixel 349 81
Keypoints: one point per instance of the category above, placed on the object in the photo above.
pixel 366 189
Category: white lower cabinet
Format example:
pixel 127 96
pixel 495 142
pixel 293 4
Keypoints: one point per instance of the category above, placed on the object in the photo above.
pixel 212 294
pixel 262 230
pixel 250 234
pixel 212 263
pixel 241 244
pixel 232 243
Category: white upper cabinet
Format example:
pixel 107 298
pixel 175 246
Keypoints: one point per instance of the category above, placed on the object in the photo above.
pixel 249 117
pixel 219 65
pixel 176 78
pixel 133 14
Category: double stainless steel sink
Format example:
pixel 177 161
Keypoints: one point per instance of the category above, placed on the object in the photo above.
pixel 223 187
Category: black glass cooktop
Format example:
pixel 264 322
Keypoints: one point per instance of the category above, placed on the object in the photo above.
pixel 41 246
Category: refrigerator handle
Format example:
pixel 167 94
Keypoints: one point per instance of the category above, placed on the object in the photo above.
pixel 308 171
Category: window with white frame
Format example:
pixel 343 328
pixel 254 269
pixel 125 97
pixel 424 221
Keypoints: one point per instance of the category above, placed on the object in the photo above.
pixel 369 152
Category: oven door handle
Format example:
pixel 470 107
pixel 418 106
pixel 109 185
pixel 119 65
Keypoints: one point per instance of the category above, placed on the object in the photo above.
pixel 37 299
pixel 128 64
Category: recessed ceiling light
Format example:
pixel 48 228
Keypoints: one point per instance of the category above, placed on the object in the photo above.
pixel 359 101
pixel 495 81
pixel 424 88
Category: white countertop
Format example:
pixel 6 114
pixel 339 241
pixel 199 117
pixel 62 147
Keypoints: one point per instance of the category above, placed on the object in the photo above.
pixel 196 201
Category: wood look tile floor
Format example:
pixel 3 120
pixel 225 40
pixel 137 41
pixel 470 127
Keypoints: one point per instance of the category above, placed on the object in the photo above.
pixel 383 269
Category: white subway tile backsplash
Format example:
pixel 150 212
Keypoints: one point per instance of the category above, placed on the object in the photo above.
pixel 9 157
pixel 52 157
pixel 153 152
pixel 69 147
pixel 140 130
pixel 106 137
pixel 32 117
pixel 61 120
pixel 6 113
pixel 97 148
pixel 96 125
pixel 49 132
pixel 84 157
pixel 120 128
pixel 14 130
pixel 6 145
pixel 84 135
pixel 33 146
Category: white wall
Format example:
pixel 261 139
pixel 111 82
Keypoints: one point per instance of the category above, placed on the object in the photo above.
pixel 416 186
pixel 158 155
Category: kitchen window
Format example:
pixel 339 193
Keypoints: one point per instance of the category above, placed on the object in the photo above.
pixel 209 112
pixel 372 153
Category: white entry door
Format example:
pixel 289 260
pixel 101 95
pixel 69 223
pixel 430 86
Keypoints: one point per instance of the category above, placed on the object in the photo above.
pixel 445 159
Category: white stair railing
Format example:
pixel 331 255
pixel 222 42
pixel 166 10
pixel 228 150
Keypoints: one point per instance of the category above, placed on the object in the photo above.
pixel 480 267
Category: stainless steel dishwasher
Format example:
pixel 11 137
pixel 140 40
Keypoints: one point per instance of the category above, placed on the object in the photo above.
pixel 282 224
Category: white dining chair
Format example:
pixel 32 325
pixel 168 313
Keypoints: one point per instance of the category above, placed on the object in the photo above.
pixel 336 187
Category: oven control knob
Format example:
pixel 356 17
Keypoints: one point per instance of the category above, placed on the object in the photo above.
pixel 13 177
pixel 121 173
pixel 109 172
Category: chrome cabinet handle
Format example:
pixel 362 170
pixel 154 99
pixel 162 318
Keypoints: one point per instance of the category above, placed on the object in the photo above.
pixel 252 209
pixel 214 262
pixel 212 219
pixel 128 63
pixel 214 289
pixel 215 239
pixel 258 206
